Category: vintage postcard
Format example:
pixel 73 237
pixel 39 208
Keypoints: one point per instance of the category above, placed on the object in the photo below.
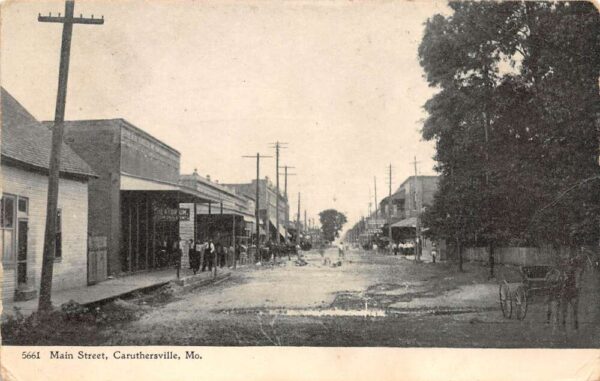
pixel 266 190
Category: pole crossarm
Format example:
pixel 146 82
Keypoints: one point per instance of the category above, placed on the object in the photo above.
pixel 71 20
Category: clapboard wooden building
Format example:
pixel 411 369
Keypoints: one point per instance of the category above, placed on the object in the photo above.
pixel 25 157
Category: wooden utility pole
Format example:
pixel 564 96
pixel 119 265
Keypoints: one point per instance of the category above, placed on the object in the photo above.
pixel 286 174
pixel 298 222
pixel 305 225
pixel 367 221
pixel 277 145
pixel 45 300
pixel 389 213
pixel 285 193
pixel 257 203
pixel 418 217
pixel 233 240
pixel 376 212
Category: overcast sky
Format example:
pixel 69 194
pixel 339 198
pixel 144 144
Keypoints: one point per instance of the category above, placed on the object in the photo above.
pixel 339 81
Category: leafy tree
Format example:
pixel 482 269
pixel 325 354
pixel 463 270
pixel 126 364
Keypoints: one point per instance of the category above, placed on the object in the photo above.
pixel 332 223
pixel 514 121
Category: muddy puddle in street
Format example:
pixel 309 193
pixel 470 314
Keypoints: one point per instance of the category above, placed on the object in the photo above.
pixel 337 312
pixel 372 303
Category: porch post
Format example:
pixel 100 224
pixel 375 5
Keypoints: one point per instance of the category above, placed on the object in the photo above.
pixel 149 239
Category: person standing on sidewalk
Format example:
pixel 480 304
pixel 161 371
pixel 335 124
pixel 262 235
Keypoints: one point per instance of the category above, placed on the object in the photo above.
pixel 232 255
pixel 209 252
pixel 200 247
pixel 194 256
pixel 223 253
pixel 177 254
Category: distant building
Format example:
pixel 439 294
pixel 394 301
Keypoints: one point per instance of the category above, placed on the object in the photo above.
pixel 405 202
pixel 268 206
pixel 26 145
pixel 409 201
pixel 227 212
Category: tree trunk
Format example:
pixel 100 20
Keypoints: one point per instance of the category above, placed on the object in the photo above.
pixel 460 257
pixel 491 259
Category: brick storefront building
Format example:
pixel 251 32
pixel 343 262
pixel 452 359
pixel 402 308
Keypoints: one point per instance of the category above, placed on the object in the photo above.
pixel 134 203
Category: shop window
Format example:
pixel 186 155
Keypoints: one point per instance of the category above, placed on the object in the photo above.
pixel 58 237
pixel 7 227
pixel 8 212
pixel 23 205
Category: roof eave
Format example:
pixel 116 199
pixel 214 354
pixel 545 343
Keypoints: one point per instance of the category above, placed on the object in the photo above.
pixel 26 165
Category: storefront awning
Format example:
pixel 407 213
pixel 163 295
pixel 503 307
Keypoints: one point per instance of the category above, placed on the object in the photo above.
pixel 282 231
pixel 180 192
pixel 249 219
pixel 281 228
pixel 410 222
pixel 129 183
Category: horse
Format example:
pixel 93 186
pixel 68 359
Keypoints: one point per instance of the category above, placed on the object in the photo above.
pixel 564 285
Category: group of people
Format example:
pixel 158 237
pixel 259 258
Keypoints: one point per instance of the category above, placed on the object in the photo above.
pixel 207 255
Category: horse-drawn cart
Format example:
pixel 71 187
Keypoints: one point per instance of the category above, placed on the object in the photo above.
pixel 536 279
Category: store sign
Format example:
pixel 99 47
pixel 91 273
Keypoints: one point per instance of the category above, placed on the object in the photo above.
pixel 171 214
pixel 184 214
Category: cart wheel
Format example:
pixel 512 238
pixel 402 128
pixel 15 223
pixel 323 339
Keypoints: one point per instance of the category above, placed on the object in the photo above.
pixel 505 301
pixel 520 303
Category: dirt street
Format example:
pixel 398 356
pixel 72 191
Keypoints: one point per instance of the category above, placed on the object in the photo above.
pixel 369 300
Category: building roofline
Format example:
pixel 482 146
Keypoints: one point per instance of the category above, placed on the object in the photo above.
pixel 123 123
pixel 73 165
pixel 219 187
pixel 15 162
pixel 418 177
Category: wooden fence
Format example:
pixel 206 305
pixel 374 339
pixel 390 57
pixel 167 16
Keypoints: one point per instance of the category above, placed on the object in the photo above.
pixel 523 256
